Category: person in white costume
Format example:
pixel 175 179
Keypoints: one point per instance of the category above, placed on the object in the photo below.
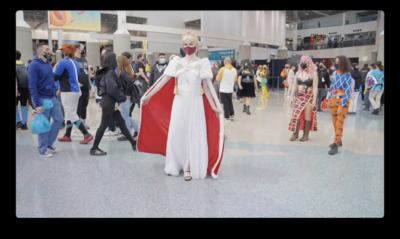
pixel 187 147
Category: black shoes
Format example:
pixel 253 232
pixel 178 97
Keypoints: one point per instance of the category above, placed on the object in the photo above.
pixel 97 152
pixel 22 126
pixel 122 138
pixel 333 150
pixel 340 144
pixel 134 147
pixel 375 112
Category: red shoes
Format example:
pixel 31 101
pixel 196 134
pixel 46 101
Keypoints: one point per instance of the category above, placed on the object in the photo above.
pixel 87 139
pixel 64 139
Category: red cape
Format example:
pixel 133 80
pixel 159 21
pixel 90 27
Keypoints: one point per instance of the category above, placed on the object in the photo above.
pixel 154 125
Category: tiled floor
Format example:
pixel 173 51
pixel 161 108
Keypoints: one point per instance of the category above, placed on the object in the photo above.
pixel 262 173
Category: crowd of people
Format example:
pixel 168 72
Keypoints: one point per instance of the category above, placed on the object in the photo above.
pixel 119 86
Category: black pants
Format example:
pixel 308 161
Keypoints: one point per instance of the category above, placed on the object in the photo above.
pixel 362 92
pixel 82 104
pixel 108 115
pixel 226 100
pixel 23 96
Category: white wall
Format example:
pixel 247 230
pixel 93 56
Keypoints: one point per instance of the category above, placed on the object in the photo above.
pixel 188 16
pixel 165 19
pixel 258 53
pixel 266 27
pixel 221 22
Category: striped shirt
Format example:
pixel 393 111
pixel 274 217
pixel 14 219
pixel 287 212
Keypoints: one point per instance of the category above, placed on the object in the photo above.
pixel 341 82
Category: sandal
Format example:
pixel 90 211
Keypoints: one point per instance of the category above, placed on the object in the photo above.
pixel 187 176
pixel 97 152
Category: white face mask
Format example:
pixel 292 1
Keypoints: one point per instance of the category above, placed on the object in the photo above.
pixel 162 61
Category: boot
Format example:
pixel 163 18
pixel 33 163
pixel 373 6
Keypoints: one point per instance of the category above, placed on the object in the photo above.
pixel 334 149
pixel 331 145
pixel 244 108
pixel 306 131
pixel 296 133
pixel 248 110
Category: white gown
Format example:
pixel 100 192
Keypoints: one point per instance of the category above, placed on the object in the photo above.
pixel 187 135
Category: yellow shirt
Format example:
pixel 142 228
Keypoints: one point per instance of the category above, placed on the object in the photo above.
pixel 221 72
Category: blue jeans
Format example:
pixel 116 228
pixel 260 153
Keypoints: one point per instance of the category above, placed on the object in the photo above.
pixel 125 115
pixel 48 138
pixel 366 100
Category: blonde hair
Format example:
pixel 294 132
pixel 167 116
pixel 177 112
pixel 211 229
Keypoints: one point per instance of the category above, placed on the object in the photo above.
pixel 191 37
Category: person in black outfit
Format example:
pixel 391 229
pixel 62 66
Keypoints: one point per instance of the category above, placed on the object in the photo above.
pixel 84 80
pixel 23 92
pixel 323 79
pixel 140 69
pixel 247 84
pixel 109 88
pixel 364 71
pixel 158 69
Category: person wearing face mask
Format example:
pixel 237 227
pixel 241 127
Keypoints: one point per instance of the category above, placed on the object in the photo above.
pixel 304 111
pixel 324 82
pixel 67 72
pixel 182 117
pixel 41 87
pixel 158 69
pixel 338 96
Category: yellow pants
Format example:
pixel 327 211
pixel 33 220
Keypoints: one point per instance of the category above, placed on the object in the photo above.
pixel 264 92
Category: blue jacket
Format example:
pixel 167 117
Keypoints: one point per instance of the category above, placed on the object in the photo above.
pixel 65 73
pixel 377 74
pixel 341 82
pixel 41 81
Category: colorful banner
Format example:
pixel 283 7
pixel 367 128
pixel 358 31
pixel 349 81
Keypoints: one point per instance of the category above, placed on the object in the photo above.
pixel 75 20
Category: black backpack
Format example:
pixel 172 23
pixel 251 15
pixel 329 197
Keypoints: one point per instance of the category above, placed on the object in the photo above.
pixel 22 76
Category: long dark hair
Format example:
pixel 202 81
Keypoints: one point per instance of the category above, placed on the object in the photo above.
pixel 344 64
pixel 379 65
pixel 249 67
pixel 109 60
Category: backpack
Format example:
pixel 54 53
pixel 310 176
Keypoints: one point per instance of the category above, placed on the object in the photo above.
pixel 22 76
pixel 371 81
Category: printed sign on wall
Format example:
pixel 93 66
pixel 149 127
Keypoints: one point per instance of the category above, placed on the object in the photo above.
pixel 75 20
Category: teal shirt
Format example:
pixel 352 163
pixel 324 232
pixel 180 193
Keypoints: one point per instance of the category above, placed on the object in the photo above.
pixel 378 74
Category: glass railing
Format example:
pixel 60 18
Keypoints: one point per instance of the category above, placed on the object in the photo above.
pixel 324 45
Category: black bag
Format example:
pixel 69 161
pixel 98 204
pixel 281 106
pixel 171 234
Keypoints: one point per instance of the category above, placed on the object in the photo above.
pixel 22 76
pixel 136 91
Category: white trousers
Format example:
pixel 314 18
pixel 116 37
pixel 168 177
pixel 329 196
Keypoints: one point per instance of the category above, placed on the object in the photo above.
pixel 375 98
pixel 353 102
pixel 70 101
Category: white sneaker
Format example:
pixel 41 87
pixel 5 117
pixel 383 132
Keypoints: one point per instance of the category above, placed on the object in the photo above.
pixel 46 155
pixel 232 118
pixel 108 132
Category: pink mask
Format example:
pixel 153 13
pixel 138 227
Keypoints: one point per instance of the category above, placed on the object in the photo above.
pixel 189 50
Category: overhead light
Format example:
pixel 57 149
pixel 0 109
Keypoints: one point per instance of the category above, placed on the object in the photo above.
pixel 307 13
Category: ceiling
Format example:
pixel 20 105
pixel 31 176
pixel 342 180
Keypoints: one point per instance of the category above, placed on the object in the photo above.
pixel 295 16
